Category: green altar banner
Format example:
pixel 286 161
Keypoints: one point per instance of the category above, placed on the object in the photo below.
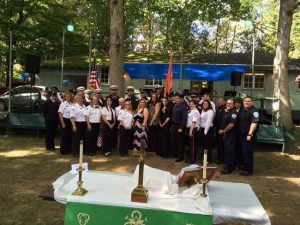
pixel 92 214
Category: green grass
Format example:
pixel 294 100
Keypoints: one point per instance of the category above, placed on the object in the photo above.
pixel 27 169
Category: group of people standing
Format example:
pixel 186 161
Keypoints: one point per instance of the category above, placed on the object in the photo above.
pixel 166 123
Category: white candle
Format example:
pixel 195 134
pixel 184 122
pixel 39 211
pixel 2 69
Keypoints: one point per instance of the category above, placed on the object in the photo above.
pixel 81 154
pixel 204 164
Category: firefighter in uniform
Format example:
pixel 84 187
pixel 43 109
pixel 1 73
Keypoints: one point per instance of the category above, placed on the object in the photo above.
pixel 113 95
pixel 131 97
pixel 228 132
pixel 87 97
pixel 99 96
pixel 247 128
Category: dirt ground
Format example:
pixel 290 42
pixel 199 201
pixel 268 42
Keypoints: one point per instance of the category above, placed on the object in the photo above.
pixel 26 169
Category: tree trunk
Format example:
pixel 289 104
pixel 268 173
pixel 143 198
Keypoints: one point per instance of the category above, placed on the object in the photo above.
pixel 281 86
pixel 116 51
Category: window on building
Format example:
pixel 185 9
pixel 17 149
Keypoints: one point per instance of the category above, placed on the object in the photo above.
pixel 104 75
pixel 259 81
pixel 153 82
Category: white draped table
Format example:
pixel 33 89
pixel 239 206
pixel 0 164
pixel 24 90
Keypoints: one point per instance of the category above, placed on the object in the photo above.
pixel 226 202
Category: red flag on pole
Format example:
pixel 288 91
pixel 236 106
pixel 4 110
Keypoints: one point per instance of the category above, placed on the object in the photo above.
pixel 169 80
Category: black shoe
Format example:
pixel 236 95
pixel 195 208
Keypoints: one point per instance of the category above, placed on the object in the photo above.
pixel 179 160
pixel 246 173
pixel 225 171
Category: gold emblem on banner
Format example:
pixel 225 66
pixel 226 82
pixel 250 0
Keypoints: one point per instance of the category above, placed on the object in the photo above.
pixel 136 219
pixel 83 218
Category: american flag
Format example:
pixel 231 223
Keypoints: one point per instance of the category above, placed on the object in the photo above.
pixel 94 78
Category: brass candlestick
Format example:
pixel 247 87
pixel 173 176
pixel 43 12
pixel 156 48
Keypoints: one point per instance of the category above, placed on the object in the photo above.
pixel 80 191
pixel 204 184
pixel 140 194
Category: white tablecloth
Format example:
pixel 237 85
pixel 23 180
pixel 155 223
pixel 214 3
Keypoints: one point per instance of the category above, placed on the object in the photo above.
pixel 228 201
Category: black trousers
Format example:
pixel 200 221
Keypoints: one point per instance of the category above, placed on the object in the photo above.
pixel 229 146
pixel 164 144
pixel 51 127
pixel 153 138
pixel 92 137
pixel 66 137
pixel 177 141
pixel 107 138
pixel 206 141
pixel 124 141
pixel 193 145
pixel 238 152
pixel 248 153
pixel 77 136
pixel 220 146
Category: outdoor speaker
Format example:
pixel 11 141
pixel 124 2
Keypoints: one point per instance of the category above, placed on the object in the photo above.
pixel 236 78
pixel 32 65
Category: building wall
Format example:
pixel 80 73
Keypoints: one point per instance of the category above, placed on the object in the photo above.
pixel 79 78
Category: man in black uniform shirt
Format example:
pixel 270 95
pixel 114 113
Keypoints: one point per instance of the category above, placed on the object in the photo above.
pixel 179 119
pixel 131 97
pixel 50 113
pixel 113 95
pixel 87 97
pixel 220 113
pixel 247 128
pixel 228 132
pixel 99 96
pixel 143 95
pixel 238 106
pixel 158 91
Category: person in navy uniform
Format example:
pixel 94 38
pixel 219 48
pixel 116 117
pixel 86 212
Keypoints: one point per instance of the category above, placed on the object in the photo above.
pixel 220 112
pixel 247 128
pixel 228 132
pixel 87 97
pixel 179 119
pixel 113 95
pixel 143 95
pixel 50 113
pixel 131 97
pixel 99 96
pixel 238 106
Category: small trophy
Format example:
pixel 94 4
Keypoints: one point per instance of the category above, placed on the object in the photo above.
pixel 140 194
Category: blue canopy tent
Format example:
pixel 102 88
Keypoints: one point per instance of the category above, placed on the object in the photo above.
pixel 189 72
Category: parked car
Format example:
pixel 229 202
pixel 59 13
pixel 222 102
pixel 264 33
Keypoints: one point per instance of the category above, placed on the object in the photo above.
pixel 25 96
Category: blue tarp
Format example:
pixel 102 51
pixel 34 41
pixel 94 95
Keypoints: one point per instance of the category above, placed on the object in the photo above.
pixel 190 71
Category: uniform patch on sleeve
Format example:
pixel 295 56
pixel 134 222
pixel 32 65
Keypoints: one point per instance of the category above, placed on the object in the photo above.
pixel 255 114
pixel 233 116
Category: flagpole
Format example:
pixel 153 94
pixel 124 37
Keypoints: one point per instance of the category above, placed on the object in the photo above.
pixel 181 68
pixel 90 59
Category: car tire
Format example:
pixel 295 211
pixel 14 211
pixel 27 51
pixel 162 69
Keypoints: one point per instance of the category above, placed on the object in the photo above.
pixel 2 106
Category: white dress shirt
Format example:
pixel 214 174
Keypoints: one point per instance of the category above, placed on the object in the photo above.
pixel 193 116
pixel 108 112
pixel 118 110
pixel 64 109
pixel 206 119
pixel 126 117
pixel 78 112
pixel 94 114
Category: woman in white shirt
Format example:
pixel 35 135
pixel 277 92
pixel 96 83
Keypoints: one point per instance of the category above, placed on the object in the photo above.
pixel 206 127
pixel 93 118
pixel 192 126
pixel 77 115
pixel 65 124
pixel 109 120
pixel 126 122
